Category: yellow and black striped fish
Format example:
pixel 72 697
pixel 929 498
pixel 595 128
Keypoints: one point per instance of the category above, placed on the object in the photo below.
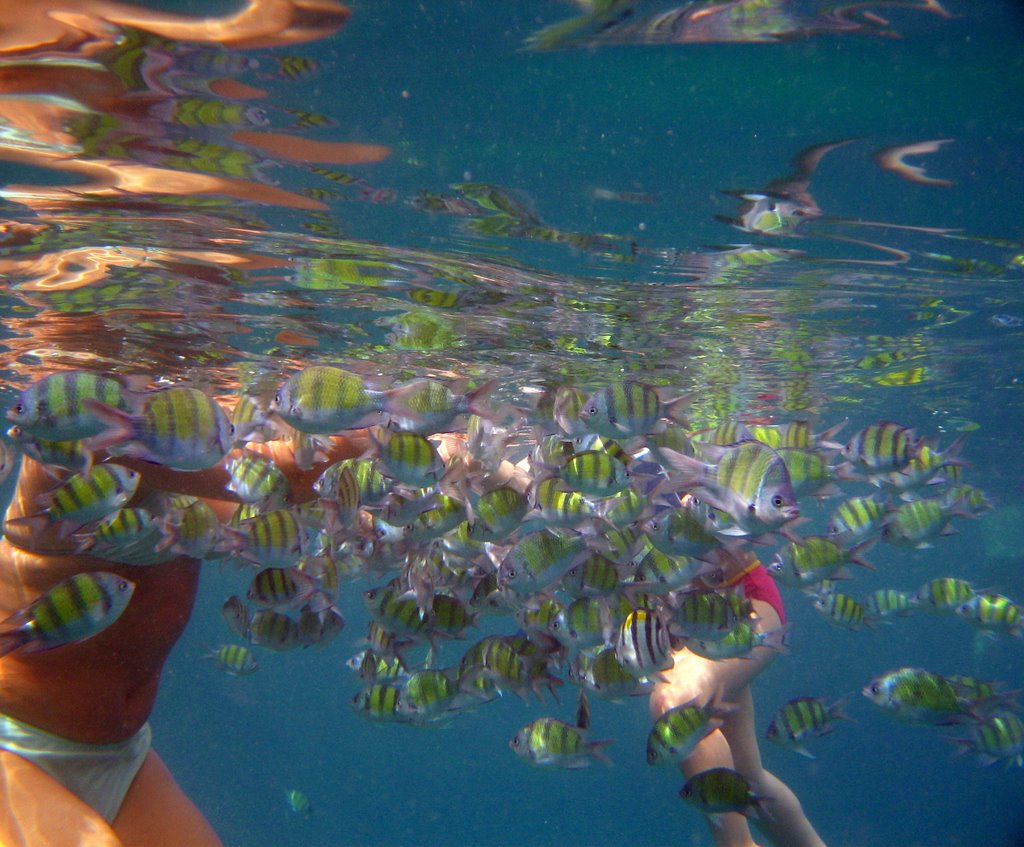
pixel 73 610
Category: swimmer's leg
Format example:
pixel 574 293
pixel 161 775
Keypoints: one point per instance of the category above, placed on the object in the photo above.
pixel 37 811
pixel 157 813
pixel 693 677
pixel 785 823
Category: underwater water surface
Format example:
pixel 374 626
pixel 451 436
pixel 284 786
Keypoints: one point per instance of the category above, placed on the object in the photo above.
pixel 788 211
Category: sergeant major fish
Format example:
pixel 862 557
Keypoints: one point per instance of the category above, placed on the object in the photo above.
pixel 178 427
pixel 427 406
pixel 802 718
pixel 54 408
pixel 628 409
pixel 234 659
pixel 680 729
pixel 918 696
pixel 71 611
pixel 720 790
pixel 321 399
pixel 82 498
pixel 749 482
pixel 549 742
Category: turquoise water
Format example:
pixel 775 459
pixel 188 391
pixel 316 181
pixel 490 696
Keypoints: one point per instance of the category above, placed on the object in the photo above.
pixel 615 160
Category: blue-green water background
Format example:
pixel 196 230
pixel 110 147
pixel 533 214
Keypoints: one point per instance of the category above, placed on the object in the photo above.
pixel 685 123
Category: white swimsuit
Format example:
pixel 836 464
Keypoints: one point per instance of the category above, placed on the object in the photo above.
pixel 99 774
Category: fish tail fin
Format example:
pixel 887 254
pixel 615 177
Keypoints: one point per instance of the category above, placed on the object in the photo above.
pixel 309 449
pixel 119 426
pixel 31 524
pixel 168 533
pixel 12 639
pixel 835 711
pixel 476 400
pixel 846 473
pixel 674 409
pixel 83 542
pixel 962 745
pixel 854 554
pixel 687 472
pixel 950 456
pixel 233 541
pixel 759 809
pixel 595 749
pixel 824 439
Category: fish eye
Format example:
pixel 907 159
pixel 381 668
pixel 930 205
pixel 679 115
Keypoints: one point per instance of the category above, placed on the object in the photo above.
pixel 590 410
pixel 652 756
pixel 778 502
pixel 512 573
pixel 19 408
pixel 515 741
pixel 875 688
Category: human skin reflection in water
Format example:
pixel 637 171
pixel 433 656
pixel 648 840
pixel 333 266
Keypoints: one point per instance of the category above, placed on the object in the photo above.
pixel 85 26
pixel 47 87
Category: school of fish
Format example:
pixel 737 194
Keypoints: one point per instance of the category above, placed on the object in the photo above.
pixel 514 543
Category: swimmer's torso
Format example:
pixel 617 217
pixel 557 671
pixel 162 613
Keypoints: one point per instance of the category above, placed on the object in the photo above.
pixel 102 689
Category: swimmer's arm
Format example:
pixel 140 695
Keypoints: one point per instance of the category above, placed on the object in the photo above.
pixel 211 484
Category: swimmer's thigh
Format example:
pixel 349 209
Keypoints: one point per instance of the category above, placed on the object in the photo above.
pixel 157 813
pixel 37 811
